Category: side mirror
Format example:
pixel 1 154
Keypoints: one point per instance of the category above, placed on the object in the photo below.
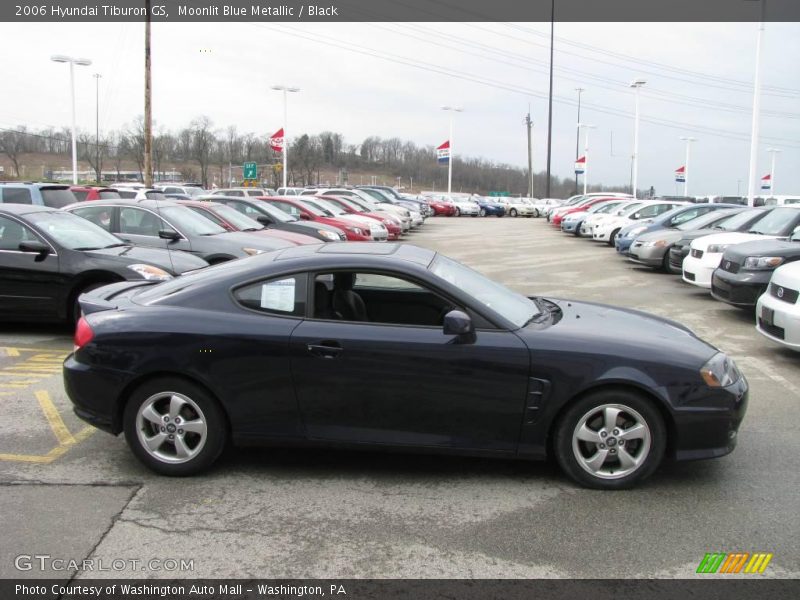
pixel 457 322
pixel 35 246
pixel 264 220
pixel 169 234
pixel 636 215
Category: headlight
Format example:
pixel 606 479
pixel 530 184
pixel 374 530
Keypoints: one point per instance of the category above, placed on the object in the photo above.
pixel 356 230
pixel 635 231
pixel 328 235
pixel 762 262
pixel 252 251
pixel 655 244
pixel 717 248
pixel 720 371
pixel 150 273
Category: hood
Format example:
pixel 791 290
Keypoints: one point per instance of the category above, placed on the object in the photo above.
pixel 668 235
pixel 251 240
pixel 173 261
pixel 689 236
pixel 315 225
pixel 729 238
pixel 623 332
pixel 739 252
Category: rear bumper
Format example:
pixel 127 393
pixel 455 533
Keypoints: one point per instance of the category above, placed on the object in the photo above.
pixel 95 393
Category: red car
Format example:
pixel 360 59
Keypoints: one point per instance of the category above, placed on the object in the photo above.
pixel 392 225
pixel 556 221
pixel 295 206
pixel 442 208
pixel 232 220
pixel 93 192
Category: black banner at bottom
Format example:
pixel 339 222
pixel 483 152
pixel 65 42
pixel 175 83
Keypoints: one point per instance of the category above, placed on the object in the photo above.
pixel 716 588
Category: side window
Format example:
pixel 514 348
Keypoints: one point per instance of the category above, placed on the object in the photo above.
pixel 209 215
pixel 289 208
pixel 238 193
pixel 12 233
pixel 687 215
pixel 376 298
pixel 135 221
pixel 284 296
pixel 99 215
pixel 173 190
pixel 648 211
pixel 12 195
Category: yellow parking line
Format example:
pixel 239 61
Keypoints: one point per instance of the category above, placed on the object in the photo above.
pixel 12 351
pixel 54 418
pixel 32 458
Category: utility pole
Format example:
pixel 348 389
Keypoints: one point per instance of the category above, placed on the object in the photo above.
pixel 97 77
pixel 636 84
pixel 148 116
pixel 773 152
pixel 550 98
pixel 688 141
pixel 751 184
pixel 529 126
pixel 578 135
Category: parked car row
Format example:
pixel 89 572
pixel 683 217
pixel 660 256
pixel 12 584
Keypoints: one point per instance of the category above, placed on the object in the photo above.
pixel 748 257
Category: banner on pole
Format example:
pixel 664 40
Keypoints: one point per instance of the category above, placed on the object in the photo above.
pixel 276 141
pixel 680 174
pixel 766 182
pixel 443 153
pixel 580 165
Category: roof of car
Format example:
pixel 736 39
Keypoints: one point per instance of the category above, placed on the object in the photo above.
pixel 146 202
pixel 24 209
pixel 404 252
pixel 28 184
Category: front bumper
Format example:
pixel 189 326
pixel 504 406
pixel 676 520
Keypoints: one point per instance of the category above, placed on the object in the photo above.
pixel 698 271
pixel 570 226
pixel 784 326
pixel 601 234
pixel 739 289
pixel 623 244
pixel 651 256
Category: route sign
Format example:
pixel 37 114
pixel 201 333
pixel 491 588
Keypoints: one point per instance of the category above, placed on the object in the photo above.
pixel 250 170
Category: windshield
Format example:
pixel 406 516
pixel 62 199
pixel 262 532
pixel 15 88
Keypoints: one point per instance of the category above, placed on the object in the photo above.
pixel 629 210
pixel 314 210
pixel 330 210
pixel 188 221
pixel 57 197
pixel 376 195
pixel 274 212
pixel 350 203
pixel 739 220
pixel 602 207
pixel 237 219
pixel 775 222
pixel 705 220
pixel 513 306
pixel 73 232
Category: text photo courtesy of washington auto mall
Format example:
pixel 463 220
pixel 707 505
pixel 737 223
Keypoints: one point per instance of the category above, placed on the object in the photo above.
pixel 413 299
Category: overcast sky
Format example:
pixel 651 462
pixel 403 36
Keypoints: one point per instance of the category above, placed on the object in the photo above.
pixel 391 79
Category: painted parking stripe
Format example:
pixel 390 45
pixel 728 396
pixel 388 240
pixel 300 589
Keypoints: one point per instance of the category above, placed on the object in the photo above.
pixel 54 418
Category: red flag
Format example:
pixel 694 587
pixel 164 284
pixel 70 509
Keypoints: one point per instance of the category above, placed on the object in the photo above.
pixel 276 141
pixel 445 145
pixel 680 170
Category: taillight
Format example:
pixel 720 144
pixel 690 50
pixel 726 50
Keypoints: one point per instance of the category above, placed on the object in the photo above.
pixel 83 334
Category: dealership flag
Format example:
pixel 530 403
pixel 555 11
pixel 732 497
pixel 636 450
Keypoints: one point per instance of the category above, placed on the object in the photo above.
pixel 443 153
pixel 276 141
pixel 766 182
pixel 580 165
pixel 680 174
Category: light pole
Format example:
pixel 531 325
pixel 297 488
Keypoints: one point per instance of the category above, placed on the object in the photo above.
pixel 285 89
pixel 772 151
pixel 636 84
pixel 97 77
pixel 585 154
pixel 751 184
pixel 452 109
pixel 83 62
pixel 688 141
pixel 578 134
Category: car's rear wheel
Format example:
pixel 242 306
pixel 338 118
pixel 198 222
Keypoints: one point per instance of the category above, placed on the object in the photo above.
pixel 536 214
pixel 613 237
pixel 610 439
pixel 483 212
pixel 457 212
pixel 174 427
pixel 513 212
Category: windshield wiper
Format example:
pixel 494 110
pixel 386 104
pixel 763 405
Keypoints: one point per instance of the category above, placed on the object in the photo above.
pixel 118 245
pixel 86 248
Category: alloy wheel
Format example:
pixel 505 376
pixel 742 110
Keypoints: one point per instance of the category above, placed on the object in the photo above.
pixel 171 427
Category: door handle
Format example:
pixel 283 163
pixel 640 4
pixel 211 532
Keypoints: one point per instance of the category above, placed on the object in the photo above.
pixel 326 349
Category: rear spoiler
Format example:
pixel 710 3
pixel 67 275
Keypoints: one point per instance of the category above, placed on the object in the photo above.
pixel 101 299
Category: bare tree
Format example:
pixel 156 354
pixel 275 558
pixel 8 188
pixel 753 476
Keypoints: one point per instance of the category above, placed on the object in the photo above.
pixel 202 140
pixel 12 144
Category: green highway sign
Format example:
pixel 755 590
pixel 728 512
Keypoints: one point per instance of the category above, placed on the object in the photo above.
pixel 250 170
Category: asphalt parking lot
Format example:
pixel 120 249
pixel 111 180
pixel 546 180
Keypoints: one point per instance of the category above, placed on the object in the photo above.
pixel 73 493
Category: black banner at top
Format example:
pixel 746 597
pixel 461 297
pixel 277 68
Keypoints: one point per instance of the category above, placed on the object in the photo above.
pixel 400 10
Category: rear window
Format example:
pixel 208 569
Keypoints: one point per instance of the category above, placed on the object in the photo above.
pixel 57 197
pixel 109 195
pixel 80 195
pixel 12 195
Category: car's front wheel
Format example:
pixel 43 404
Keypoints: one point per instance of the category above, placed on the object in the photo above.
pixel 483 212
pixel 610 439
pixel 174 427
pixel 513 212
pixel 536 214
pixel 457 212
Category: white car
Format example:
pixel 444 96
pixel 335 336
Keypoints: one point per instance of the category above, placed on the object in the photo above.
pixel 604 213
pixel 517 207
pixel 580 199
pixel 368 202
pixel 607 230
pixel 376 229
pixel 542 205
pixel 140 193
pixel 706 252
pixel 178 188
pixel 465 206
pixel 245 192
pixel 778 309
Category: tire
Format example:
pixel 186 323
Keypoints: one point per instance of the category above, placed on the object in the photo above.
pixel 613 237
pixel 584 433
pixel 457 213
pixel 483 212
pixel 74 309
pixel 536 213
pixel 172 398
pixel 665 263
pixel 512 212
pixel 577 232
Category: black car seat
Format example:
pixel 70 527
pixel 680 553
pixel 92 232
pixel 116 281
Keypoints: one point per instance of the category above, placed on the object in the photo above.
pixel 322 303
pixel 346 302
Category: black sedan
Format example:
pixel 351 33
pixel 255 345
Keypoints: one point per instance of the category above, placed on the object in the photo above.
pixel 169 224
pixel 273 217
pixel 395 346
pixel 746 268
pixel 49 257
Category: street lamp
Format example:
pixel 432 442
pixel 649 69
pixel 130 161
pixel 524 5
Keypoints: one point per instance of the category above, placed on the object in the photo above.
pixel 285 89
pixel 452 109
pixel 97 77
pixel 586 154
pixel 636 84
pixel 83 62
pixel 772 151
pixel 688 141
